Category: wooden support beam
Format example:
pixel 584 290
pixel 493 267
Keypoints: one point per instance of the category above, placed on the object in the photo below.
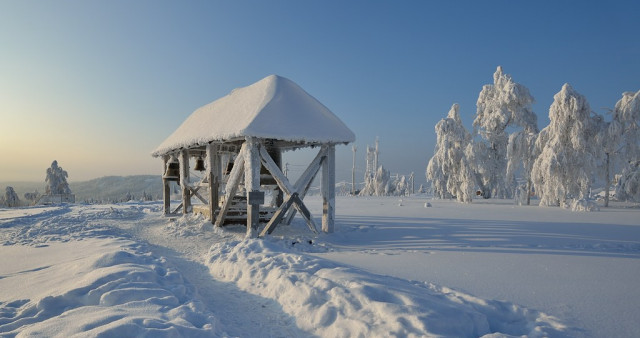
pixel 287 188
pixel 295 201
pixel 278 215
pixel 184 181
pixel 232 185
pixel 272 167
pixel 328 188
pixel 177 208
pixel 304 181
pixel 252 184
pixel 166 187
pixel 194 192
pixel 214 188
pixel 302 209
pixel 214 169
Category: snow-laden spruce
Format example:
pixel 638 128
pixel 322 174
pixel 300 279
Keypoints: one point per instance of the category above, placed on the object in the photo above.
pixel 57 180
pixel 627 118
pixel 565 166
pixel 501 105
pixel 10 198
pixel 521 156
pixel 448 169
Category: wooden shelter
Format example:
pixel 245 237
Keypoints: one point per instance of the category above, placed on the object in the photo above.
pixel 240 138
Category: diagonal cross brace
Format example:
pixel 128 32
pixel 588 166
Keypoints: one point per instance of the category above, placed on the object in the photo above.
pixel 232 185
pixel 292 192
pixel 195 193
pixel 304 181
pixel 295 201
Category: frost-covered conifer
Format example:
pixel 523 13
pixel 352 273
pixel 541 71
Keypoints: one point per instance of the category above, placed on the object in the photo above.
pixel 448 169
pixel 502 104
pixel 56 180
pixel 628 187
pixel 627 115
pixel 11 197
pixel 401 187
pixel 378 185
pixel 521 155
pixel 566 163
pixel 609 138
pixel 627 112
pixel 32 196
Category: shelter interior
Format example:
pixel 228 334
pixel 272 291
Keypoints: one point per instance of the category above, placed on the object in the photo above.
pixel 242 183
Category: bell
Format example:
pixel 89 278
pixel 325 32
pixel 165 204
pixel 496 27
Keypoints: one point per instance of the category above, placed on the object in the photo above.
pixel 199 164
pixel 173 170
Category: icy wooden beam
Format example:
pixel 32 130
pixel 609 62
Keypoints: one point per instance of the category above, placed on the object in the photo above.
pixel 252 184
pixel 232 185
pixel 184 181
pixel 292 198
pixel 166 187
pixel 213 159
pixel 304 181
pixel 328 188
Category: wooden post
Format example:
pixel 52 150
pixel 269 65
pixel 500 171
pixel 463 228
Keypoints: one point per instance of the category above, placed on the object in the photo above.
pixel 252 185
pixel 232 185
pixel 166 186
pixel 184 181
pixel 213 159
pixel 328 189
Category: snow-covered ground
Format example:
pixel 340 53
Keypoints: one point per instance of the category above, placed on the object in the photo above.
pixel 394 267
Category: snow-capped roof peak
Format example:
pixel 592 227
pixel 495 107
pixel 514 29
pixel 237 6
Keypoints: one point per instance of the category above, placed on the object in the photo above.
pixel 274 107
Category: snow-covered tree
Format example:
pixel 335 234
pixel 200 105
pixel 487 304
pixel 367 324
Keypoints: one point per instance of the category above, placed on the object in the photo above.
pixel 500 105
pixel 628 187
pixel 609 138
pixel 32 196
pixel 401 186
pixel 56 180
pixel 521 155
pixel 11 197
pixel 379 184
pixel 627 116
pixel 565 166
pixel 448 169
pixel 627 112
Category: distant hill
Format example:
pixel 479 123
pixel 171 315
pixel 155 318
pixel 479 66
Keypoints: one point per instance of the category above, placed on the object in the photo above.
pixel 103 189
pixel 116 188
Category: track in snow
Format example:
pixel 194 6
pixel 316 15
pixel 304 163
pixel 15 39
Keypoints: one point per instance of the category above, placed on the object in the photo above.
pixel 240 314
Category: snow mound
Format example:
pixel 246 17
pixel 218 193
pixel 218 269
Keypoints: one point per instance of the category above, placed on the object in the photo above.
pixel 331 300
pixel 116 289
pixel 584 205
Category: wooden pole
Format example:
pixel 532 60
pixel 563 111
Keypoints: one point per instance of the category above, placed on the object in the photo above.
pixel 252 185
pixel 232 185
pixel 328 189
pixel 213 159
pixel 184 181
pixel 353 171
pixel 166 187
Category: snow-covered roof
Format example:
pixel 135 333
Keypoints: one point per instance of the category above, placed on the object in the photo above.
pixel 274 107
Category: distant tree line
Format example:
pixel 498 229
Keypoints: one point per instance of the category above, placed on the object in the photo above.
pixel 506 156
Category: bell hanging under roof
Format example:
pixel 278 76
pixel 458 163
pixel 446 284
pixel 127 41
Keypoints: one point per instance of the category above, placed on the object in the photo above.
pixel 173 170
pixel 199 164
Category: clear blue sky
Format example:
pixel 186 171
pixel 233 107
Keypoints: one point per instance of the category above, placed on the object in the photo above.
pixel 97 85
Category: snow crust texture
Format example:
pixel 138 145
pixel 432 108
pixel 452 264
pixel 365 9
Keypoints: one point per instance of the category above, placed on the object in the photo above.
pixel 92 283
pixel 331 300
pixel 392 268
